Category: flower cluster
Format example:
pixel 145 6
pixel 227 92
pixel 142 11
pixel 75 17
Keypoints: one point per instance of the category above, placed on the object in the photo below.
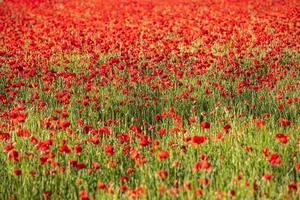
pixel 149 99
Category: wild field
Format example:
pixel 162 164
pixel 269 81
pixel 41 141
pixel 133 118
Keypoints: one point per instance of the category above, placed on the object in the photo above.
pixel 149 99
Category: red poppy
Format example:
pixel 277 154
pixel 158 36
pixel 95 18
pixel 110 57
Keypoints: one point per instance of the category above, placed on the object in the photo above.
pixel 227 127
pixel 101 185
pixel 84 195
pixel 198 192
pixel 162 131
pixel 297 167
pixel 157 117
pixel 124 178
pixel 123 188
pixel 199 139
pixel 18 172
pixel 292 186
pixel 204 164
pixel 205 125
pixel 162 173
pixel 274 159
pixel 260 123
pixel 23 133
pixel 145 141
pixel 77 149
pixel 130 170
pixel 267 176
pixel 163 154
pixel 284 122
pixel 283 138
pixel 192 119
pixel 65 125
pixel 8 147
pixel 109 149
pixel 14 154
pixel 65 149
pixel 46 194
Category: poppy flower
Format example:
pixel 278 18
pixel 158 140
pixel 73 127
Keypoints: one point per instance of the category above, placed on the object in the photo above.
pixel 163 154
pixel 192 119
pixel 23 133
pixel 274 159
pixel 283 138
pixel 203 181
pixel 199 139
pixel 77 149
pixel 199 192
pixel 65 149
pixel 145 141
pixel 162 174
pixel 21 117
pixel 292 186
pixel 284 122
pixel 124 178
pixel 109 149
pixel 205 125
pixel 46 194
pixel 101 185
pixel 157 117
pixel 65 125
pixel 267 177
pixel 232 193
pixel 281 107
pixel 260 123
pixel 123 188
pixel 84 195
pixel 96 165
pixel 227 127
pixel 18 172
pixel 204 164
pixel 130 170
pixel 162 131
pixel 80 165
pixel 14 154
pixel 9 146
pixel 297 167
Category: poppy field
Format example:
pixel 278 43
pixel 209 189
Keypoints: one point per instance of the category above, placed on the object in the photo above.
pixel 172 99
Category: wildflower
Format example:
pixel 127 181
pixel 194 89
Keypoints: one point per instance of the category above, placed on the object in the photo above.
pixel 163 154
pixel 198 139
pixel 205 125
